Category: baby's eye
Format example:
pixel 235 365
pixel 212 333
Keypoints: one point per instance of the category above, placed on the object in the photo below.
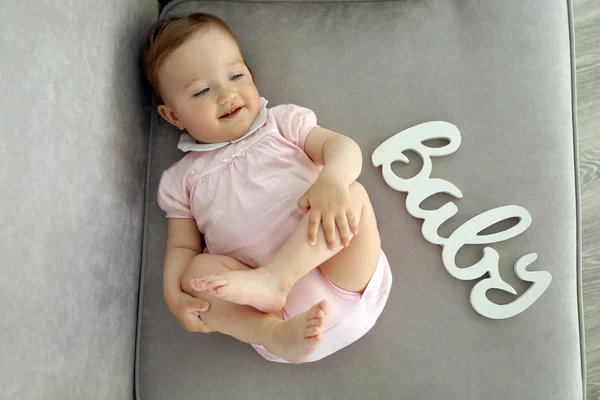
pixel 200 93
pixel 236 77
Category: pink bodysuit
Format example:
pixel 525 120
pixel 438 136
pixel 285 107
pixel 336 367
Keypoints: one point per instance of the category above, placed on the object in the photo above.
pixel 243 196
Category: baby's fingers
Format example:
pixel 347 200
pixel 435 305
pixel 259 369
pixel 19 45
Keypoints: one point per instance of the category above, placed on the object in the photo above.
pixel 353 222
pixel 192 320
pixel 196 324
pixel 329 230
pixel 314 220
pixel 345 234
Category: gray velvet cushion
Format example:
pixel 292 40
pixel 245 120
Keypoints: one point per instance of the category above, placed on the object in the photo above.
pixel 73 139
pixel 501 72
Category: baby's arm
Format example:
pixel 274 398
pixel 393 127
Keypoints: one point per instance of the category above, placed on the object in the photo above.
pixel 183 245
pixel 328 199
pixel 340 156
pixel 342 161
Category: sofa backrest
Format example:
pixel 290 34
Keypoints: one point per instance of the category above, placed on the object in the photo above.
pixel 73 145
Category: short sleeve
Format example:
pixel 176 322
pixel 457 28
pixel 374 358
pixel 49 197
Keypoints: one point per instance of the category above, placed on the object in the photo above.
pixel 294 122
pixel 173 198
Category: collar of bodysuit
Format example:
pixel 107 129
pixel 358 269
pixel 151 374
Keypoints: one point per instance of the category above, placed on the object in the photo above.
pixel 188 143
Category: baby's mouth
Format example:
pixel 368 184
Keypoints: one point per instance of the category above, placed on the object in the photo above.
pixel 231 114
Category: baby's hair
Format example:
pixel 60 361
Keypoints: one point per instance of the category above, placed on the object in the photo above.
pixel 167 35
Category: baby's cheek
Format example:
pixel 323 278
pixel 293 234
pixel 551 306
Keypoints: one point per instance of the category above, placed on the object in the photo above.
pixel 253 97
pixel 201 124
pixel 250 89
pixel 204 116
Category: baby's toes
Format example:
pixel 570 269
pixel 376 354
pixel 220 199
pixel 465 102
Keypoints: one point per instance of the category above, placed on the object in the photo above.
pixel 207 280
pixel 215 283
pixel 312 331
pixel 197 284
pixel 221 290
pixel 317 313
pixel 325 307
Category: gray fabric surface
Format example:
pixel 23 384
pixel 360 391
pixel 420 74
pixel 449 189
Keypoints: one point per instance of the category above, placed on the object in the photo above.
pixel 501 72
pixel 73 146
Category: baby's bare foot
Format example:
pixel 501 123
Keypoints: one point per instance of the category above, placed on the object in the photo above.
pixel 295 339
pixel 257 288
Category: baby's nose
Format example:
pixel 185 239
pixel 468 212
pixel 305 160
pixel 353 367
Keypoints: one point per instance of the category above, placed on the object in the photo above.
pixel 226 95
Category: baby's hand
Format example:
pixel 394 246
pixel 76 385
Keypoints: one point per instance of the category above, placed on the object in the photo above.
pixel 329 201
pixel 187 310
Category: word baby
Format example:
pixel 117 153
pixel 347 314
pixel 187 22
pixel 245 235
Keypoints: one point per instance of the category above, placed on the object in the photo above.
pixel 422 186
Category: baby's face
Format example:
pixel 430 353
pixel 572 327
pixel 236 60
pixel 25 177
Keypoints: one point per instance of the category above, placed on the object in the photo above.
pixel 203 80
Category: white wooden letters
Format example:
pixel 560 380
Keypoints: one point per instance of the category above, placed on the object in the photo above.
pixel 422 186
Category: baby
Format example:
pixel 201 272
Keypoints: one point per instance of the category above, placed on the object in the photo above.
pixel 292 262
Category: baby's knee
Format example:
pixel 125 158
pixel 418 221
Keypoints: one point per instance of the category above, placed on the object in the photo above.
pixel 358 191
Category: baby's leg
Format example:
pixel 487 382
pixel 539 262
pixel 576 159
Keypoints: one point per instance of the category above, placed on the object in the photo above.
pixel 292 340
pixel 352 268
pixel 266 288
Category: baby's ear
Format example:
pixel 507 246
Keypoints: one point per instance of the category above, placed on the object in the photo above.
pixel 167 113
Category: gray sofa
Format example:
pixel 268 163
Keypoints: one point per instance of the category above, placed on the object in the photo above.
pixel 82 238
